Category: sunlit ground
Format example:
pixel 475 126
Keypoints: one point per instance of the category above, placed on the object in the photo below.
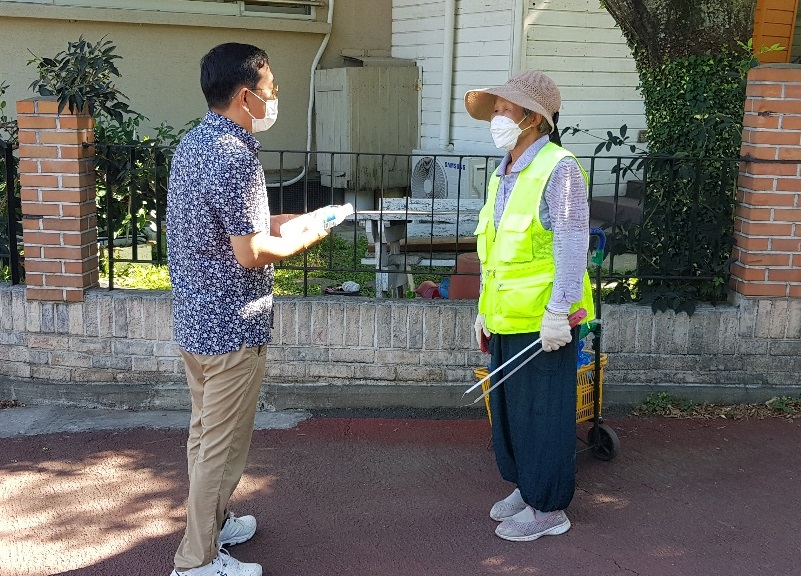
pixel 61 515
pixel 407 497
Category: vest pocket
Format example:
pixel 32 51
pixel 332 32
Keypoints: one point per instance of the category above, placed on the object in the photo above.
pixel 481 236
pixel 523 297
pixel 514 239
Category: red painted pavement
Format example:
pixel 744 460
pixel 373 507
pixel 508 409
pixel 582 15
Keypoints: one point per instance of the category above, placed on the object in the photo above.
pixel 383 497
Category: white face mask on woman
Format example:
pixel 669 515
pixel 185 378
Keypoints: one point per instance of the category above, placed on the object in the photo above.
pixel 270 115
pixel 506 131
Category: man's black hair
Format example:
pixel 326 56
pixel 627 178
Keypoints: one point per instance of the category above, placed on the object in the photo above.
pixel 227 68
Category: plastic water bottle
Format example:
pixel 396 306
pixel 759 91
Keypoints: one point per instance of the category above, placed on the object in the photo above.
pixel 332 215
pixel 323 218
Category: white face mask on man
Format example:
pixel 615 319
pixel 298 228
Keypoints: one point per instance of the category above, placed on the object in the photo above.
pixel 270 115
pixel 506 131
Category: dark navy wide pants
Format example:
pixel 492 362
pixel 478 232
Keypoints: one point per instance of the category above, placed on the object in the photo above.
pixel 534 420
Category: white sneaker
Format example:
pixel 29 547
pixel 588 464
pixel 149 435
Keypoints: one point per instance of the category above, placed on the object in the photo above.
pixel 237 529
pixel 223 565
pixel 507 507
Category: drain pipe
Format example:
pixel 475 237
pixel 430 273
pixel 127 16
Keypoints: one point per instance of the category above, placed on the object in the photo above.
pixel 518 36
pixel 315 62
pixel 447 75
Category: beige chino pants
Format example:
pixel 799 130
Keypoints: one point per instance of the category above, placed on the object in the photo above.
pixel 225 390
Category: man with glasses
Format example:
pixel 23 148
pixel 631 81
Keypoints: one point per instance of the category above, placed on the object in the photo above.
pixel 221 257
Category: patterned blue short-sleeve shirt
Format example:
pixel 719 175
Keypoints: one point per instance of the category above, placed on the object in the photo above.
pixel 217 190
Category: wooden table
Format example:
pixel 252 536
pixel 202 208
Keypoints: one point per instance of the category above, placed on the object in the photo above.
pixel 386 228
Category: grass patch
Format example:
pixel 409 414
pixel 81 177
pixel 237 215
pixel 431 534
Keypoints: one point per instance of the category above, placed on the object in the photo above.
pixel 141 276
pixel 667 405
pixel 330 263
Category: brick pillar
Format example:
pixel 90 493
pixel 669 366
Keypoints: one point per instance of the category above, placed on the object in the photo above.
pixel 768 215
pixel 56 174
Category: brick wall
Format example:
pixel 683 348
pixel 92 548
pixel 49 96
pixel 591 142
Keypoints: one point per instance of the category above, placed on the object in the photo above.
pixel 768 215
pixel 58 201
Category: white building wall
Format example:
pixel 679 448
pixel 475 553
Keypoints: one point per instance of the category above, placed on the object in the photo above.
pixel 482 57
pixel 575 42
pixel 578 44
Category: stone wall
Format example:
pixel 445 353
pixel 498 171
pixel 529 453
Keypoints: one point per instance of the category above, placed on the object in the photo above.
pixel 116 349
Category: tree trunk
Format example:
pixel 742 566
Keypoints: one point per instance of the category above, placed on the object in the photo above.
pixel 657 30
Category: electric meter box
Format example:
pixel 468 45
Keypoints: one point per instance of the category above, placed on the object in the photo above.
pixel 370 110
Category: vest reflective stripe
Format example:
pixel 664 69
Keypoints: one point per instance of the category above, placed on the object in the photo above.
pixel 517 264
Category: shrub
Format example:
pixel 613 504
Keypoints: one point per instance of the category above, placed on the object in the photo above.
pixel 694 109
pixel 82 76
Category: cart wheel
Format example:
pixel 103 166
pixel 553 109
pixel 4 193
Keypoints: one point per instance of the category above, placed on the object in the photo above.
pixel 603 442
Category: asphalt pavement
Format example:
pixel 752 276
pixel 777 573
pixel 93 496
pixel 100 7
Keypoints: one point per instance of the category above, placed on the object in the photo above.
pixel 101 492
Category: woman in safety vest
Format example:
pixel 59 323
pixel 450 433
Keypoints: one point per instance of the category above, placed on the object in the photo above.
pixel 533 235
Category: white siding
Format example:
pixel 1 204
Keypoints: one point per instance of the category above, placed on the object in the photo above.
pixel 482 55
pixel 574 41
pixel 578 44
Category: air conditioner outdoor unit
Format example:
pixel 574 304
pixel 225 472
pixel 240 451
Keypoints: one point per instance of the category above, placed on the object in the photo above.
pixel 438 174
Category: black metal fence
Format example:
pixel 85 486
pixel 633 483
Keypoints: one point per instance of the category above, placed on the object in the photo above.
pixel 11 268
pixel 131 183
pixel 668 219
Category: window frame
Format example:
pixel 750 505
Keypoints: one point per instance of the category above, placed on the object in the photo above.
pixel 200 7
pixel 199 13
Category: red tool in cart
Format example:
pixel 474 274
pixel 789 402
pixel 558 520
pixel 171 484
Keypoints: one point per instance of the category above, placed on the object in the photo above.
pixel 602 440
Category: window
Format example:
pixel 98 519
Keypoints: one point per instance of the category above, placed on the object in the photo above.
pixel 295 9
pixel 277 7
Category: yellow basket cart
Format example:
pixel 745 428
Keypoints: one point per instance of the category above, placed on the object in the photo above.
pixel 601 439
pixel 585 390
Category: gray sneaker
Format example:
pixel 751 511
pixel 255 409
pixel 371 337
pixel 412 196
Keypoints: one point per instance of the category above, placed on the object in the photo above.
pixel 237 529
pixel 529 525
pixel 507 507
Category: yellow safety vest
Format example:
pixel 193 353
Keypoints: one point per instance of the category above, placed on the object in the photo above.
pixel 517 264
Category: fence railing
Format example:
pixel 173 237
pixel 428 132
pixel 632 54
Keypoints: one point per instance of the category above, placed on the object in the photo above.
pixel 10 215
pixel 131 183
pixel 668 219
pixel 668 212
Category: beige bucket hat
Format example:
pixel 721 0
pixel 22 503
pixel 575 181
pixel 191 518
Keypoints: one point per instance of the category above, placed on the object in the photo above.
pixel 531 89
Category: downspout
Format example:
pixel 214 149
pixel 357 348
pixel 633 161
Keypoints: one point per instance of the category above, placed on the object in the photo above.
pixel 518 36
pixel 315 62
pixel 447 74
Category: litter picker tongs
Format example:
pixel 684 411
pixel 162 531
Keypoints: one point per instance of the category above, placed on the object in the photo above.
pixel 574 320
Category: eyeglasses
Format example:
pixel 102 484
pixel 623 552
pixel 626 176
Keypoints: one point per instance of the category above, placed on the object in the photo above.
pixel 272 94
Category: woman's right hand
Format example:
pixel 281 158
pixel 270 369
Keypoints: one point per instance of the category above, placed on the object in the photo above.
pixel 480 326
pixel 555 331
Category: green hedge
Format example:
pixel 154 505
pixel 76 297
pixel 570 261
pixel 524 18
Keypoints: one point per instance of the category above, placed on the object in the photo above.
pixel 694 109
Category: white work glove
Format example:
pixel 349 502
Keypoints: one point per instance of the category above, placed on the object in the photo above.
pixel 480 326
pixel 555 331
